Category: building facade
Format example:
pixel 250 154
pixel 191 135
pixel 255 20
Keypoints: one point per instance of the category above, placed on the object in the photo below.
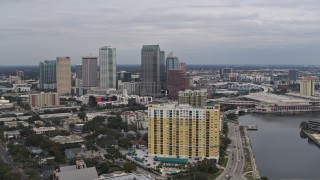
pixel 89 71
pixel 133 88
pixel 163 77
pixel 63 75
pixel 79 71
pixel 183 131
pixel 44 100
pixel 195 98
pixel 177 81
pixel 307 86
pixel 224 72
pixel 108 71
pixel 150 70
pixel 48 78
pixel 293 75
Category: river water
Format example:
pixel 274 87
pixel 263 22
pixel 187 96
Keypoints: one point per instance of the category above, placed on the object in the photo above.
pixel 280 151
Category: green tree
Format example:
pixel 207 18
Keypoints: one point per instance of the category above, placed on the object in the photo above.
pixel 304 125
pixel 91 162
pixel 207 166
pixel 71 126
pixel 104 167
pixel 82 115
pixel 232 116
pixel 264 178
pixel 225 128
pixel 129 167
pixel 113 154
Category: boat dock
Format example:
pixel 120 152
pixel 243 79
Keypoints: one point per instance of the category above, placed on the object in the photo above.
pixel 250 127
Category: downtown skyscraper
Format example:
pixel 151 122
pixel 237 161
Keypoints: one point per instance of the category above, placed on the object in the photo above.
pixel 150 70
pixel 48 80
pixel 63 74
pixel 89 71
pixel 108 71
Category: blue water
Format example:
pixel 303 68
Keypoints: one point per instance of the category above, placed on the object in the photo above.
pixel 279 150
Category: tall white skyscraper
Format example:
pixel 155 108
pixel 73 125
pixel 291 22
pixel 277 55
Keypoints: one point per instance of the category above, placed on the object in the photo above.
pixel 107 62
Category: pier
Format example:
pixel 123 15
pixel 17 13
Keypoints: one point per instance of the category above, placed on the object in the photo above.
pixel 314 137
pixel 250 127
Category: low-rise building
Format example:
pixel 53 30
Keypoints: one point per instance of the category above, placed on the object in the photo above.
pixel 11 134
pixel 71 153
pixel 78 128
pixel 21 88
pixel 15 123
pixel 5 104
pixel 124 176
pixel 67 139
pixel 90 155
pixel 140 118
pixel 41 130
pixel 75 172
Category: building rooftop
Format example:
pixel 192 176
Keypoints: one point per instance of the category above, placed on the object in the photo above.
pixel 44 129
pixel 71 173
pixel 67 139
pixel 155 47
pixel 314 98
pixel 125 176
pixel 268 98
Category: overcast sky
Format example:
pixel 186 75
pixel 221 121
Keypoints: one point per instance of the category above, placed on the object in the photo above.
pixel 198 31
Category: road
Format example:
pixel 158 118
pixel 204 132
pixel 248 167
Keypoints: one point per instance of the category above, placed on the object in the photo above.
pixel 236 160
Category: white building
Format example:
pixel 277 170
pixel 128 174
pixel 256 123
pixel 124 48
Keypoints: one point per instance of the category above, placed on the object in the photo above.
pixel 139 118
pixel 133 88
pixel 5 104
pixel 21 87
pixel 41 130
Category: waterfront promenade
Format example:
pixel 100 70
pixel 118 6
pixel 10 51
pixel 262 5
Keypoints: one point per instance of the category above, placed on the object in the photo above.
pixel 255 171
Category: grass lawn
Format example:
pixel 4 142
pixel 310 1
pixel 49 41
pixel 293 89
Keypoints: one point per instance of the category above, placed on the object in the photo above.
pixel 248 175
pixel 224 162
pixel 214 176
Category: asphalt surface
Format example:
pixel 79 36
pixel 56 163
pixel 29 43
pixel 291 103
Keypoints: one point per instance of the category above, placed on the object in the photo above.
pixel 236 160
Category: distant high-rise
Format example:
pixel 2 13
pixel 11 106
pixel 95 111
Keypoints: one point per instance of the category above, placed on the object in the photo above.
pixel 44 100
pixel 108 71
pixel 63 75
pixel 48 78
pixel 183 67
pixel 172 63
pixel 307 86
pixel 163 76
pixel 124 76
pixel 293 75
pixel 177 81
pixel 225 71
pixel 150 70
pixel 79 71
pixel 89 71
pixel 195 98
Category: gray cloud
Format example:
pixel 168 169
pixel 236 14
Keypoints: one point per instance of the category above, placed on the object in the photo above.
pixel 204 31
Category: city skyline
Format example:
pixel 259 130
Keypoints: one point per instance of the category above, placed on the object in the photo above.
pixel 206 32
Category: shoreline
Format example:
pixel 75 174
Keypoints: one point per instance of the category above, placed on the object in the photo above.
pixel 248 148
